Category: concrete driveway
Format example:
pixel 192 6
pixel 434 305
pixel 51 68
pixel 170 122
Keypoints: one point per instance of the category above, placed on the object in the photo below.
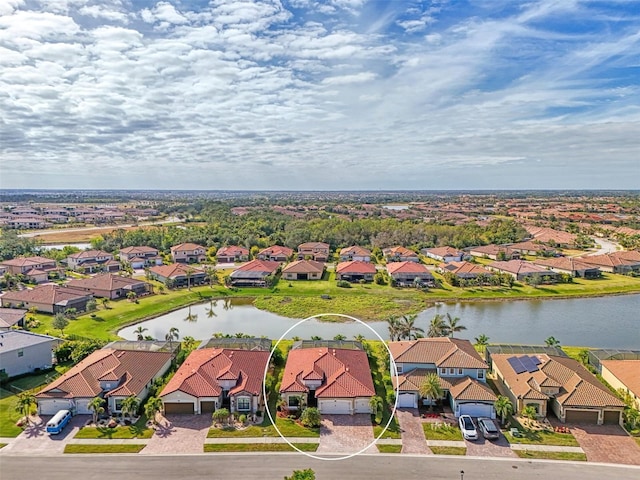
pixel 413 440
pixel 179 434
pixel 606 443
pixel 34 440
pixel 346 434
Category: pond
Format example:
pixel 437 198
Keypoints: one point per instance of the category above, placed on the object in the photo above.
pixel 607 322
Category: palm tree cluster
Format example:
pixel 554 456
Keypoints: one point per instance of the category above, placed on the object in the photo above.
pixel 404 328
pixel 444 326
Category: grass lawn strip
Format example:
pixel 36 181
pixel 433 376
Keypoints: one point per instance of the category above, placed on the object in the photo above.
pixel 287 427
pixel 137 430
pixel 102 448
pixel 449 450
pixel 258 447
pixel 2 445
pixel 389 448
pixel 552 455
pixel 442 432
pixel 531 437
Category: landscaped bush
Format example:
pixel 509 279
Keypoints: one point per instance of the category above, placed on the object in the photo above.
pixel 343 284
pixel 311 417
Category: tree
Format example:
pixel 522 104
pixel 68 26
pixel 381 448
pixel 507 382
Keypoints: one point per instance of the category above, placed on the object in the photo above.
pixel 394 328
pixel 188 343
pixel 60 322
pixel 437 327
pixel 129 405
pixel 408 329
pixel 376 405
pixel 340 337
pixel 95 405
pixel 152 407
pixel 172 334
pixel 503 407
pixel 452 325
pixel 189 274
pixel 221 416
pixel 431 388
pixel 307 474
pixel 105 303
pixel 311 417
pixel 91 305
pixel 140 332
pixel 161 289
pixel 316 338
pixel 552 342
pixel 25 404
pixel 583 356
pixel 529 412
pixel 131 296
pixel 482 341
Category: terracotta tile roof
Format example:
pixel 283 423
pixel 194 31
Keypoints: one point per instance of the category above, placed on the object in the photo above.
pixel 232 250
pixel 304 266
pixel 464 269
pixel 187 247
pixel 345 372
pixel 611 259
pixel 545 235
pixel 136 368
pixel 355 250
pixel 444 251
pixel 489 249
pixel 143 250
pixel 313 245
pixel 440 351
pixel 264 267
pixel 276 250
pixel 28 261
pixel 565 263
pixel 627 371
pixel 399 251
pixel 520 267
pixel 530 246
pixel 411 381
pixel 46 294
pixel 90 254
pixel 469 389
pixel 203 369
pixel 406 267
pixel 174 270
pixel 105 281
pixel 355 266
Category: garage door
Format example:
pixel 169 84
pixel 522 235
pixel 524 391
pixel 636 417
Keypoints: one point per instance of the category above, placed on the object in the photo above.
pixel 476 409
pixel 51 407
pixel 335 406
pixel 362 405
pixel 611 417
pixel 178 408
pixel 207 407
pixel 578 416
pixel 407 400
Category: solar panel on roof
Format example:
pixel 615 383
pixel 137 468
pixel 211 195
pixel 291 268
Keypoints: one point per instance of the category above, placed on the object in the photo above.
pixel 516 364
pixel 529 364
pixel 536 360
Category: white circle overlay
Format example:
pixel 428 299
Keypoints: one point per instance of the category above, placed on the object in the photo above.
pixel 393 368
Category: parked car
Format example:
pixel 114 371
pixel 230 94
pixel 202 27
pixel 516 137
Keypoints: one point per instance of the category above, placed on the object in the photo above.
pixel 488 428
pixel 468 428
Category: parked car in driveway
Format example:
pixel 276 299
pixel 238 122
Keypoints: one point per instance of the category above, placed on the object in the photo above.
pixel 468 428
pixel 488 428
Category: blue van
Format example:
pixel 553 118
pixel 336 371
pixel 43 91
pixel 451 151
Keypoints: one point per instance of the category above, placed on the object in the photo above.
pixel 58 422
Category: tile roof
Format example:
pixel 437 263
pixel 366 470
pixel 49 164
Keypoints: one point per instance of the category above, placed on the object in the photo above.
pixel 520 267
pixel 611 259
pixel 307 245
pixel 565 263
pixel 400 251
pixel 276 250
pixel 135 368
pixel 264 267
pixel 545 235
pixel 203 369
pixel 105 281
pixel 440 351
pixel 627 371
pixel 187 246
pixel 355 250
pixel 444 251
pixel 138 250
pixel 11 316
pixel 464 269
pixel 28 261
pixel 406 267
pixel 232 250
pixel 468 388
pixel 90 254
pixel 355 266
pixel 304 266
pixel 174 270
pixel 345 372
pixel 48 294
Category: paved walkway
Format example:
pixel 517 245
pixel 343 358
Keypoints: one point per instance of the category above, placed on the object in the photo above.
pixel 346 434
pixel 179 434
pixel 413 440
pixel 546 448
pixel 606 443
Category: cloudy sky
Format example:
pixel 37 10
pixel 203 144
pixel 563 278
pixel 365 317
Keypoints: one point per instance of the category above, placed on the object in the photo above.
pixel 319 94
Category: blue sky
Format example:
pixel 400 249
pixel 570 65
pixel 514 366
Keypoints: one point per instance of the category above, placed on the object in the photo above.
pixel 310 94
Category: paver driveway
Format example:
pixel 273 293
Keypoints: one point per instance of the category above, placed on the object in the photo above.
pixel 34 440
pixel 606 443
pixel 179 434
pixel 346 434
pixel 413 440
pixel 485 448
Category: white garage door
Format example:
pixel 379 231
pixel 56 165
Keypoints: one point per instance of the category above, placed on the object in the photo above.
pixel 335 406
pixel 476 409
pixel 407 400
pixel 362 405
pixel 52 406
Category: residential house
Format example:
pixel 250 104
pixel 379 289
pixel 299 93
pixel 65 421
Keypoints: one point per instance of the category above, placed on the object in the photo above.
pixel 464 270
pixel 48 298
pixel 188 253
pixel 573 266
pixel 557 384
pixel 110 373
pixel 524 271
pixel 275 253
pixel 335 380
pixel 355 253
pixel 355 271
pixel 532 248
pixel 552 237
pixel 253 273
pixel 140 257
pixel 91 261
pixel 444 254
pixel 36 269
pixel 317 251
pixel 108 285
pixel 618 262
pixel 213 378
pixel 232 254
pixel 25 352
pixel 460 369
pixel 303 270
pixel 623 375
pixel 400 254
pixel 494 252
pixel 11 317
pixel 178 275
pixel 410 274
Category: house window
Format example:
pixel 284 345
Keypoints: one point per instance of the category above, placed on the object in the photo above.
pixel 452 371
pixel 443 371
pixel 459 371
pixel 21 353
pixel 480 373
pixel 399 367
pixel 294 402
pixel 118 405
pixel 243 404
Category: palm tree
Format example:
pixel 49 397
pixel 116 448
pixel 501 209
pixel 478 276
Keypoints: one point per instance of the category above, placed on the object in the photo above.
pixel 552 342
pixel 503 407
pixel 129 405
pixel 105 303
pixel 431 388
pixel 172 335
pixel 95 405
pixel 408 330
pixel 359 338
pixel 140 332
pixel 25 404
pixel 482 341
pixel 152 407
pixel 437 327
pixel 394 328
pixel 340 337
pixel 452 325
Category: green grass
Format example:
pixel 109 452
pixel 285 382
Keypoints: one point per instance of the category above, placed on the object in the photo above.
pixel 442 432
pixel 258 447
pixel 102 448
pixel 287 427
pixel 449 450
pixel 381 390
pixel 137 430
pixel 575 456
pixel 573 352
pixel 543 437
pixel 2 445
pixel 389 448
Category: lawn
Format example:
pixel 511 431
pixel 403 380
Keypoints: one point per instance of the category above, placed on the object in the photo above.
pixel 389 448
pixel 575 456
pixel 441 432
pixel 542 437
pixel 258 447
pixel 102 448
pixel 137 430
pixel 449 450
pixel 287 427
pixel 2 445
pixel 380 354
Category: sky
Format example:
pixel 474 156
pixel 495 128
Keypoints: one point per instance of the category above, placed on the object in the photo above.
pixel 320 94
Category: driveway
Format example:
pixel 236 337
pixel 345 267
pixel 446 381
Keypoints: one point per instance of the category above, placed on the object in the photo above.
pixel 34 440
pixel 606 443
pixel 486 448
pixel 346 434
pixel 179 434
pixel 413 440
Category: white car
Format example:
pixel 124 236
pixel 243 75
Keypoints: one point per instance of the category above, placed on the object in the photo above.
pixel 467 427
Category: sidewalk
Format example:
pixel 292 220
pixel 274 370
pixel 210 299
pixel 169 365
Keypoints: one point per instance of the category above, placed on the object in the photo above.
pixel 545 448
pixel 261 440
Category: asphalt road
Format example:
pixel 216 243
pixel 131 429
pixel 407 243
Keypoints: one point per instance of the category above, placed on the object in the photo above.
pixel 276 466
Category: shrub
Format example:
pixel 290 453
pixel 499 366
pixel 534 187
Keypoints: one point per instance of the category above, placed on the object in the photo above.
pixel 242 419
pixel 311 417
pixel 343 284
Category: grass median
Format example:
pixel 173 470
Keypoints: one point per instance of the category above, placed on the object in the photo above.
pixel 542 437
pixel 575 456
pixel 389 448
pixel 441 432
pixel 258 447
pixel 102 448
pixel 449 450
pixel 137 430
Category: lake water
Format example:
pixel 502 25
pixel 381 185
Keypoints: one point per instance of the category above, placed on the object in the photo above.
pixel 396 207
pixel 60 246
pixel 606 322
